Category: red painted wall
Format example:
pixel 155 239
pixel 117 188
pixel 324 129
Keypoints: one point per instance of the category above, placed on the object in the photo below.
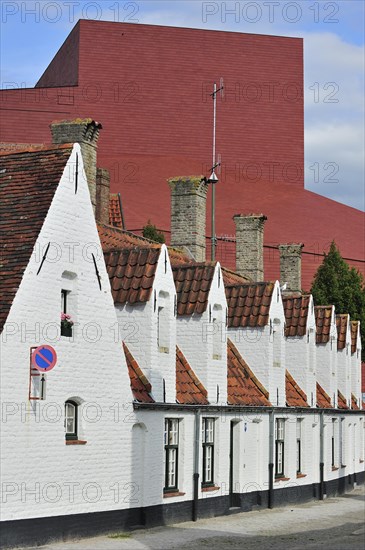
pixel 149 86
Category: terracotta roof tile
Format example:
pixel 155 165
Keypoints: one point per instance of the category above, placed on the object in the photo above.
pixel 140 386
pixel 296 309
pixel 354 404
pixel 233 278
pixel 131 273
pixel 341 400
pixel 189 389
pixel 323 315
pixel 323 399
pixel 243 386
pixel 115 214
pixel 113 238
pixel 354 325
pixel 28 181
pixel 341 325
pixel 249 304
pixel 193 284
pixel 295 396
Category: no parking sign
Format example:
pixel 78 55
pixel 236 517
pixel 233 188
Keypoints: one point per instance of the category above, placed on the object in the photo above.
pixel 44 358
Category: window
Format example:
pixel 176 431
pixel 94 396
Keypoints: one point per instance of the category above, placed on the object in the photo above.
pixel 171 454
pixel 163 328
pixel 342 443
pixel 71 420
pixel 333 440
pixel 279 447
pixel 276 343
pixel 299 446
pixel 217 331
pixel 208 451
pixel 66 321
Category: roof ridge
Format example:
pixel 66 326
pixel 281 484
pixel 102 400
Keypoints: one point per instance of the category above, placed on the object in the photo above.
pixel 35 149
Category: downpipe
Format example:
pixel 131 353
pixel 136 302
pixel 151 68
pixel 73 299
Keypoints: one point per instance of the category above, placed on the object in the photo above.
pixel 196 466
pixel 271 460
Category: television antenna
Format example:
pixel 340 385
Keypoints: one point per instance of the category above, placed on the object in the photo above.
pixel 213 178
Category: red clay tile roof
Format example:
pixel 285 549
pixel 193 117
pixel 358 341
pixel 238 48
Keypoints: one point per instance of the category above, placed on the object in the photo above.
pixel 354 404
pixel 323 399
pixel 341 325
pixel 249 305
pixel 233 278
pixel 296 314
pixel 323 315
pixel 131 273
pixel 295 396
pixel 354 326
pixel 193 284
pixel 243 386
pixel 189 389
pixel 115 214
pixel 341 401
pixel 112 238
pixel 141 388
pixel 28 181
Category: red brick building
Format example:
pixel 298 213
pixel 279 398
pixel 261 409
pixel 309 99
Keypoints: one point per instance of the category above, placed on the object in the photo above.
pixel 149 86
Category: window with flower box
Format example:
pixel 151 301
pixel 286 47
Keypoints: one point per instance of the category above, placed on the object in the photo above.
pixel 66 321
pixel 171 440
pixel 208 451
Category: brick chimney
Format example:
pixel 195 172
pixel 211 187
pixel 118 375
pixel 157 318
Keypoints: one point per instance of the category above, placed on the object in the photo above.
pixel 84 131
pixel 250 245
pixel 102 195
pixel 188 214
pixel 291 266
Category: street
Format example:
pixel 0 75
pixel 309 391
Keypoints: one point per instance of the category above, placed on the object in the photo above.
pixel 336 524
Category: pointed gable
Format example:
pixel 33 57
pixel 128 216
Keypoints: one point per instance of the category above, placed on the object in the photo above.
pixel 243 386
pixel 28 181
pixel 249 305
pixel 189 389
pixel 140 386
pixel 295 396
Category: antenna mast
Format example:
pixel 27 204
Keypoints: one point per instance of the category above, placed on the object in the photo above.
pixel 213 179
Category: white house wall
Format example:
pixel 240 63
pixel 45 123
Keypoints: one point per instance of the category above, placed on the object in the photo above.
pixel 41 476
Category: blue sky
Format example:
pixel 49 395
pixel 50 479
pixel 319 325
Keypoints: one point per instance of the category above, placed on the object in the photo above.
pixel 333 32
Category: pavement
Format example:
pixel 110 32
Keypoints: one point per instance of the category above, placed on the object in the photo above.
pixel 335 523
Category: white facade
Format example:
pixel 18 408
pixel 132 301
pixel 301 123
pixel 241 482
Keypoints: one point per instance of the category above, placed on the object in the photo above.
pixel 118 460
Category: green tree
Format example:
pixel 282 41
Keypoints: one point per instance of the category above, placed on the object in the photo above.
pixel 337 283
pixel 151 232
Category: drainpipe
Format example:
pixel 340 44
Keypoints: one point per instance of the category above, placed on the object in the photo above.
pixel 196 465
pixel 321 456
pixel 271 460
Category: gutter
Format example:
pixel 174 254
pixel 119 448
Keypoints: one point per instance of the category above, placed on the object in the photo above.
pixel 196 466
pixel 321 457
pixel 271 460
pixel 240 408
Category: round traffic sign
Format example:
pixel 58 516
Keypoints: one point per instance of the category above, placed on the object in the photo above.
pixel 44 358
